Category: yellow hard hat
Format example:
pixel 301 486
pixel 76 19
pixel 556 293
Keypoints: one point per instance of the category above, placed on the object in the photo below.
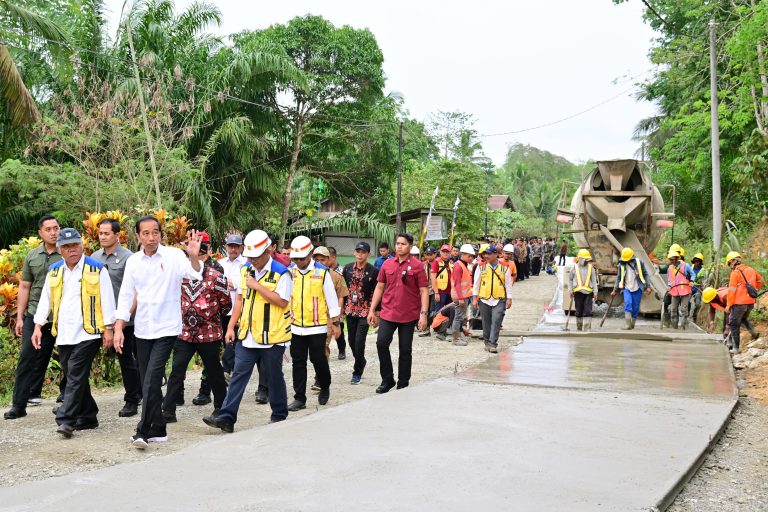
pixel 673 254
pixel 676 248
pixel 731 255
pixel 708 295
pixel 626 254
pixel 483 248
pixel 584 253
pixel 699 256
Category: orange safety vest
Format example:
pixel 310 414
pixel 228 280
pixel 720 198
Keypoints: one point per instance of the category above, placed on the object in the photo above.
pixel 464 289
pixel 680 284
pixel 720 301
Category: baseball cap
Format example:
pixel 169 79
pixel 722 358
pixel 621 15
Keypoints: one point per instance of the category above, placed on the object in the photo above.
pixel 322 251
pixel 363 246
pixel 233 239
pixel 491 249
pixel 445 247
pixel 68 236
pixel 430 250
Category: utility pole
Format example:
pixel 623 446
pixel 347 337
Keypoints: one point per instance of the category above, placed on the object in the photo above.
pixel 399 218
pixel 717 213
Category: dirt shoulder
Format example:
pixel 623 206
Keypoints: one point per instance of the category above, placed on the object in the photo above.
pixel 30 449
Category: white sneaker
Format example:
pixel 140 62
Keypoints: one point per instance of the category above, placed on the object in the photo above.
pixel 34 402
pixel 158 439
pixel 139 442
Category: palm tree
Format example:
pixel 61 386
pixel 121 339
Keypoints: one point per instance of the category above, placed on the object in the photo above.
pixel 15 21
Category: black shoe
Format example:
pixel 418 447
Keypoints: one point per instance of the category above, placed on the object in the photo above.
pixel 201 399
pixel 65 431
pixel 401 385
pixel 316 386
pixel 60 398
pixel 55 410
pixel 179 402
pixel 323 397
pixel 342 355
pixel 296 406
pixel 14 413
pixel 276 420
pixel 261 397
pixel 384 387
pixel 128 410
pixel 169 416
pixel 216 422
pixel 87 425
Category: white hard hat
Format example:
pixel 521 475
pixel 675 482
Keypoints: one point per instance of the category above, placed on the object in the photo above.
pixel 509 248
pixel 467 249
pixel 256 242
pixel 415 251
pixel 301 246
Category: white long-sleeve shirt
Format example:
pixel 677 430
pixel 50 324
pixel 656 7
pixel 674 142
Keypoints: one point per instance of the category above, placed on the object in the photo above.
pixel 232 273
pixel 156 282
pixel 507 286
pixel 330 298
pixel 70 321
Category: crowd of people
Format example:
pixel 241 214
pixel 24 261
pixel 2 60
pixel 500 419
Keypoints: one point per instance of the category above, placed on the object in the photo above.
pixel 242 313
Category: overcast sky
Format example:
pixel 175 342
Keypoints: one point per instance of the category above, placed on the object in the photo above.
pixel 513 64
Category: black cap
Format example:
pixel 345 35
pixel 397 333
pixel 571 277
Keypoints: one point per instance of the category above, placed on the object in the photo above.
pixel 430 250
pixel 363 246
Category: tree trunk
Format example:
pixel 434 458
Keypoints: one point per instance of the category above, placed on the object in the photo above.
pixel 761 109
pixel 293 171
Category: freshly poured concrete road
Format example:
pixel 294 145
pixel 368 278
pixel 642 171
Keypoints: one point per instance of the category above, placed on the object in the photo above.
pixel 554 424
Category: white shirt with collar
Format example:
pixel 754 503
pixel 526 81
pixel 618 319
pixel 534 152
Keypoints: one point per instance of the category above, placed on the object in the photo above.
pixel 156 282
pixel 507 286
pixel 232 272
pixel 331 299
pixel 284 290
pixel 70 327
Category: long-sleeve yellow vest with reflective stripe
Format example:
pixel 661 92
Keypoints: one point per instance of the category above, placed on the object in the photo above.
pixel 492 284
pixel 268 323
pixel 623 271
pixel 90 295
pixel 583 285
pixel 308 303
pixel 443 276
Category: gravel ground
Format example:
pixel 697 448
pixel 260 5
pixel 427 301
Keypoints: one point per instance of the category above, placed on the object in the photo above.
pixel 30 449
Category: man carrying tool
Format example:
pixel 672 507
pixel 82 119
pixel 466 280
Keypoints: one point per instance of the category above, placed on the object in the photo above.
pixel 679 278
pixel 584 293
pixel 742 294
pixel 718 300
pixel 632 277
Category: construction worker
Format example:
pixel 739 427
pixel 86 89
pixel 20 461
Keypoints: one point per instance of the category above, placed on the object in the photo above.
pixel 718 300
pixel 492 291
pixel 679 279
pixel 508 260
pixel 461 292
pixel 315 312
pixel 584 292
pixel 632 278
pixel 742 294
pixel 697 266
pixel 440 276
pixel 78 294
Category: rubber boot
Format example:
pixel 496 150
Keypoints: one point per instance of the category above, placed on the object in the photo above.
pixel 632 323
pixel 754 332
pixel 459 340
pixel 579 323
pixel 627 321
pixel 588 324
pixel 684 322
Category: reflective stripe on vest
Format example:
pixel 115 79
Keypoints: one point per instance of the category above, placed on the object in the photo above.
pixel 678 281
pixel 580 285
pixel 308 303
pixel 443 276
pixel 465 284
pixel 90 295
pixel 492 282
pixel 268 323
pixel 638 271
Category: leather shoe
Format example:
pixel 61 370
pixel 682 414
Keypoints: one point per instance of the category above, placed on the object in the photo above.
pixel 296 406
pixel 60 398
pixel 65 431
pixel 14 413
pixel 169 416
pixel 261 397
pixel 401 385
pixel 323 397
pixel 128 410
pixel 384 387
pixel 201 399
pixel 276 420
pixel 90 425
pixel 216 422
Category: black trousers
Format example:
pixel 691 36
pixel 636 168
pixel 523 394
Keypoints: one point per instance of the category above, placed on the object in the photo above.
pixel 129 368
pixel 739 315
pixel 535 266
pixel 312 345
pixel 358 330
pixel 182 355
pixel 153 356
pixel 561 260
pixel 527 267
pixel 584 304
pixel 405 343
pixel 32 364
pixel 520 270
pixel 341 343
pixel 79 407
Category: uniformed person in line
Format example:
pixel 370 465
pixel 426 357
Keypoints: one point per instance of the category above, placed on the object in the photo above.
pixel 78 293
pixel 582 281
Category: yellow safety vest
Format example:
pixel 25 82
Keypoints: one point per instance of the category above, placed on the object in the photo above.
pixel 308 303
pixel 443 277
pixel 581 286
pixel 90 295
pixel 492 282
pixel 623 271
pixel 268 324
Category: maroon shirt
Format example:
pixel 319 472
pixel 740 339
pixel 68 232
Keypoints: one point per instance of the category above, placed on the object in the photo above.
pixel 401 301
pixel 282 259
pixel 203 303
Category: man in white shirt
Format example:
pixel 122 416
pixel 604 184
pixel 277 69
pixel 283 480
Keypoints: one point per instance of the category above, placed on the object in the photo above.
pixel 153 276
pixel 492 288
pixel 315 312
pixel 78 292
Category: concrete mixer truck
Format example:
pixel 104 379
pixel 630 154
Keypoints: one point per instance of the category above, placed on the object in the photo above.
pixel 616 206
